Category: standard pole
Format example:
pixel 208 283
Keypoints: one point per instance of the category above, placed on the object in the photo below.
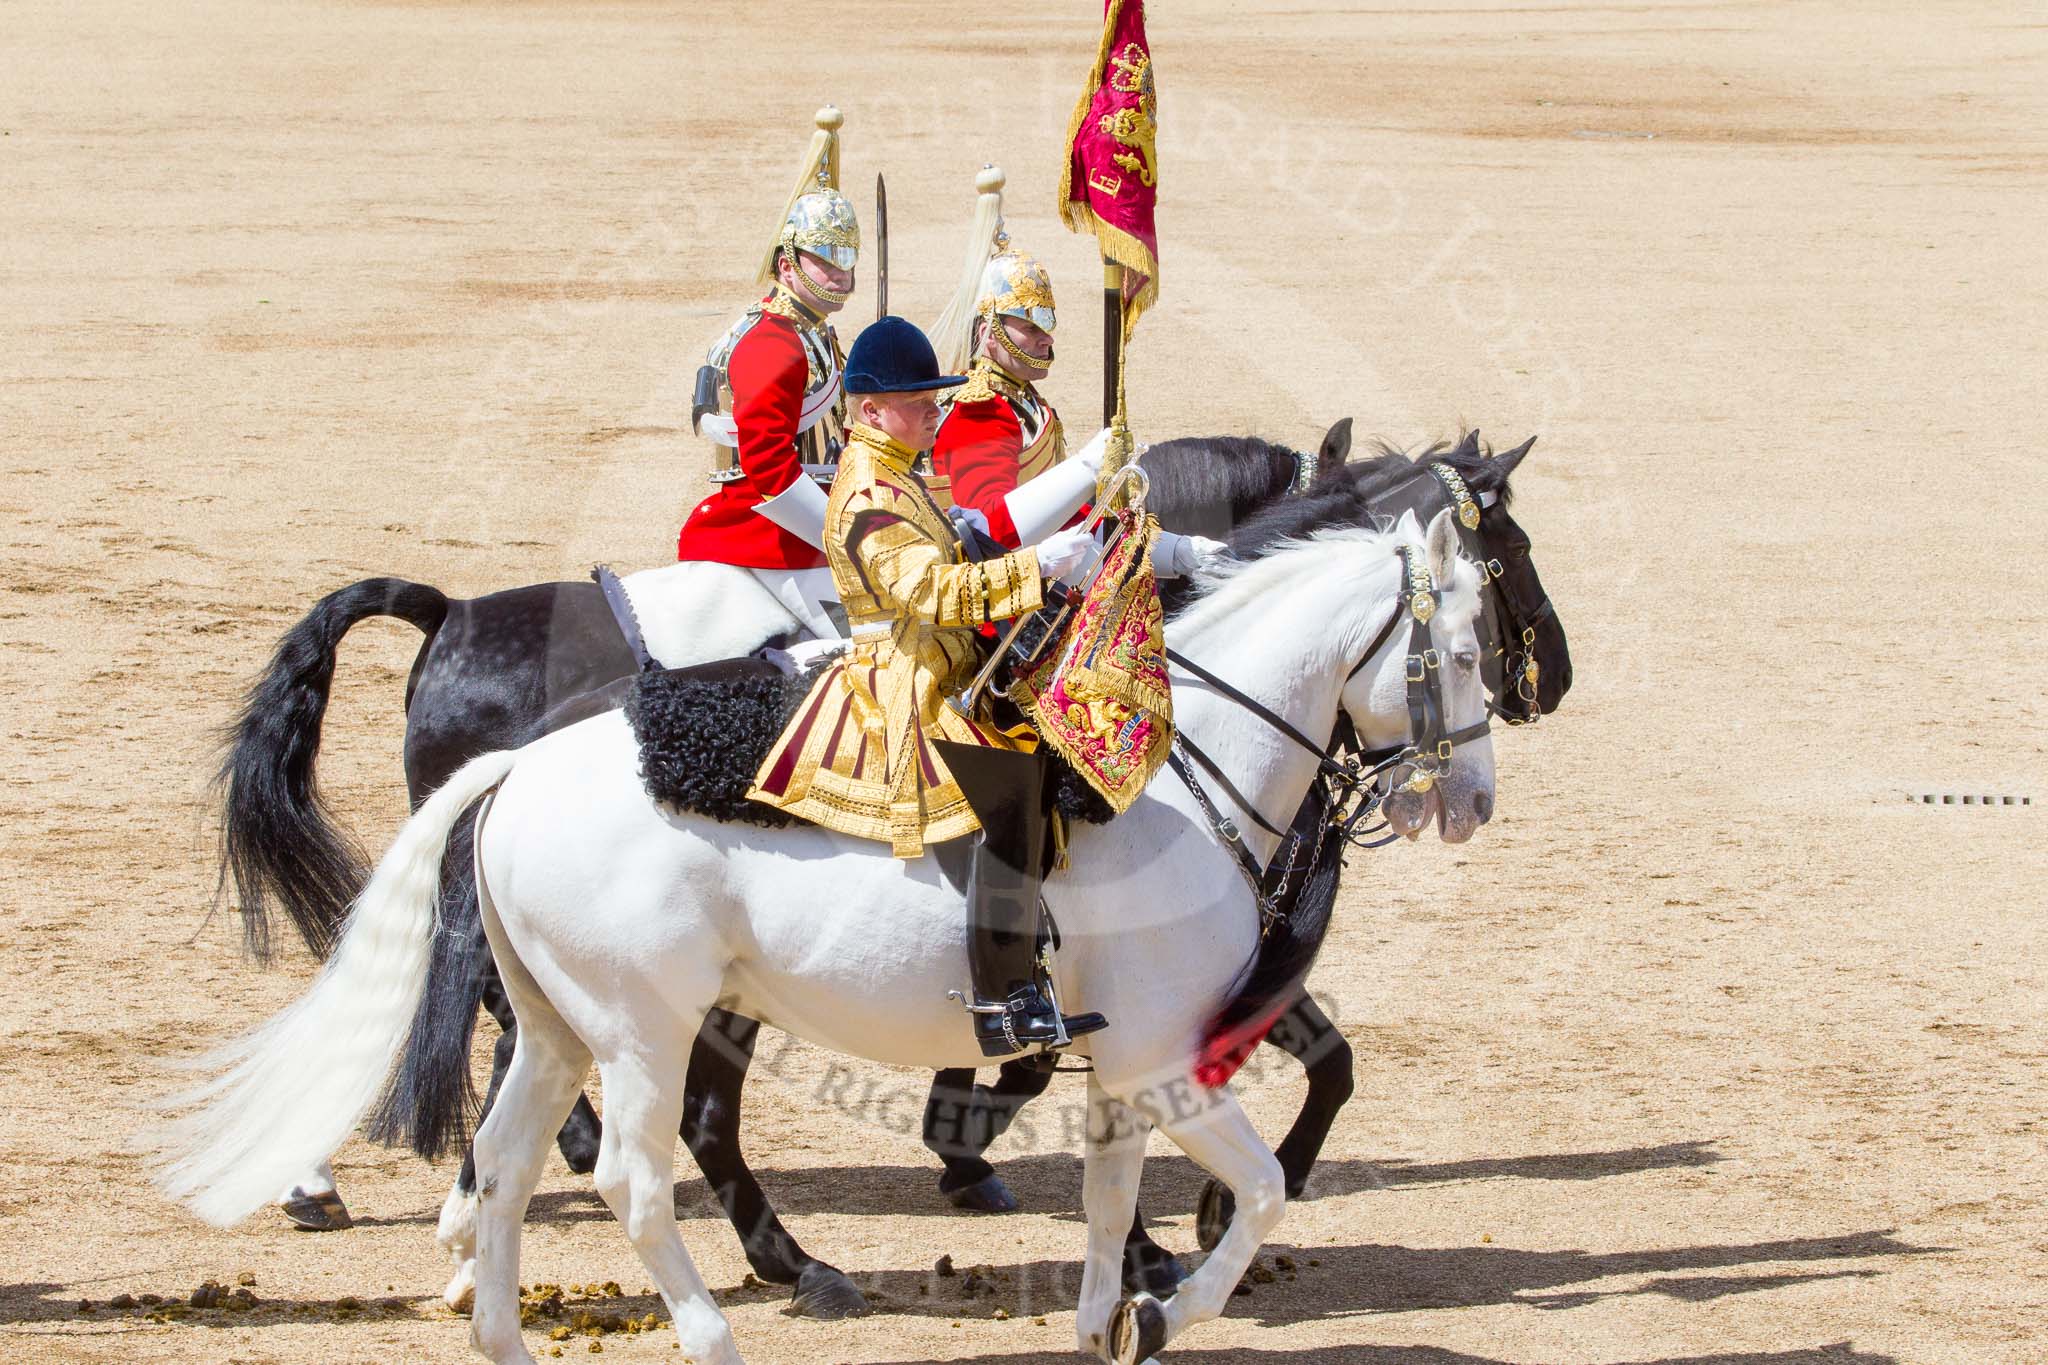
pixel 1112 335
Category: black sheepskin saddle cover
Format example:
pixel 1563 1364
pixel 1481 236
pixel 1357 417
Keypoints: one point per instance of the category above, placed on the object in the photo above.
pixel 704 732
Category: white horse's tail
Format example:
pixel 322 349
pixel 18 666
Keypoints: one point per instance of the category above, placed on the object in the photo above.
pixel 285 1096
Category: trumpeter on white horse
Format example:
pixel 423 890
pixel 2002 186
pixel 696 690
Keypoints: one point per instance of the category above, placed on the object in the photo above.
pixel 617 923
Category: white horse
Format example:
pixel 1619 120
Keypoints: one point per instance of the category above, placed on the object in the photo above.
pixel 617 923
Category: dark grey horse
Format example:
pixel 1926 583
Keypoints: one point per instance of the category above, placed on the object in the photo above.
pixel 485 679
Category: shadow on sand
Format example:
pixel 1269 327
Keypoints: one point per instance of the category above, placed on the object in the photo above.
pixel 1350 1281
pixel 1050 1182
pixel 1839 1353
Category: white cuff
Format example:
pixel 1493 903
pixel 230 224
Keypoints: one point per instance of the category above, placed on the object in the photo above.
pixel 718 427
pixel 1173 555
pixel 800 510
pixel 1177 556
pixel 1091 454
pixel 1043 505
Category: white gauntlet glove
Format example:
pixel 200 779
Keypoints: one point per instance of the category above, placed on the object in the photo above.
pixel 1065 555
pixel 801 656
pixel 798 509
pixel 805 653
pixel 1090 455
pixel 1177 556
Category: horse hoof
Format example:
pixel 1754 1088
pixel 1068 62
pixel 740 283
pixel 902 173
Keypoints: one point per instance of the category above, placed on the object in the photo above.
pixel 460 1295
pixel 323 1212
pixel 826 1295
pixel 988 1195
pixel 1137 1330
pixel 1213 1215
pixel 1157 1274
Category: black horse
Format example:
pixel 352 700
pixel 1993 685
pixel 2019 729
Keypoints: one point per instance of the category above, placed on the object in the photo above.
pixel 559 639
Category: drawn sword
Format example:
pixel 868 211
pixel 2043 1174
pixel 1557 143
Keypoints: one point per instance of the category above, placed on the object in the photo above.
pixel 881 248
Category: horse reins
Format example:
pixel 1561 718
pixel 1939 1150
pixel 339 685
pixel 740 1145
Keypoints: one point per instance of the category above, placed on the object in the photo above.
pixel 1354 780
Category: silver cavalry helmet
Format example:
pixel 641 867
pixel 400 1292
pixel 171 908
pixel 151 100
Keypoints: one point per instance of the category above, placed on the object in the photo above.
pixel 823 224
pixel 1017 286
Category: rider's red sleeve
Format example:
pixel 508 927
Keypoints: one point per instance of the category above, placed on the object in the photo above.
pixel 768 373
pixel 978 447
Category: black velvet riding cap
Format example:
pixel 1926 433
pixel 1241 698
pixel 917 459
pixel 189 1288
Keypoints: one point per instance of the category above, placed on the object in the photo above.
pixel 893 356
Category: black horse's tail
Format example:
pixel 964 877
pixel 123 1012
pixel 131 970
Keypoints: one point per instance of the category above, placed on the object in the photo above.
pixel 431 1104
pixel 1278 972
pixel 277 840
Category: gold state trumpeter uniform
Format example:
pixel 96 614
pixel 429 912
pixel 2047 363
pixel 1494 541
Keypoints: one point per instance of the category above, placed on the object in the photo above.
pixel 857 756
pixel 879 749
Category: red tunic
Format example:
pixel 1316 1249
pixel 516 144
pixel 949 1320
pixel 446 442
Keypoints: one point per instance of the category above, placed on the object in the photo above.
pixel 980 457
pixel 768 373
pixel 977 450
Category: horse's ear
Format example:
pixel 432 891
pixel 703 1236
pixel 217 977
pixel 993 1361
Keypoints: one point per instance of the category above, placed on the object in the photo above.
pixel 1442 547
pixel 1492 475
pixel 1407 527
pixel 1467 447
pixel 1508 459
pixel 1336 448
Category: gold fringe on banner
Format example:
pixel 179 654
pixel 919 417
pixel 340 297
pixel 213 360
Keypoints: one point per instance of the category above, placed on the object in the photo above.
pixel 1117 245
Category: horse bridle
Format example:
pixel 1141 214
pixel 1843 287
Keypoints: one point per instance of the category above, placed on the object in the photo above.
pixel 1519 618
pixel 1348 783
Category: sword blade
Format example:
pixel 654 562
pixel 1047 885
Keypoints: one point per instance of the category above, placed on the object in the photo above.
pixel 881 248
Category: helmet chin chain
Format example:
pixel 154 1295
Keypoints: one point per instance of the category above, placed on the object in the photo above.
pixel 1019 354
pixel 824 292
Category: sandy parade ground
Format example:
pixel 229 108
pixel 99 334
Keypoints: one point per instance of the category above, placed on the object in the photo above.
pixel 1712 1047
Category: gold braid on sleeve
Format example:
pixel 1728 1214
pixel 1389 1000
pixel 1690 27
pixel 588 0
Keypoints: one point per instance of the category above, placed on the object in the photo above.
pixel 999 588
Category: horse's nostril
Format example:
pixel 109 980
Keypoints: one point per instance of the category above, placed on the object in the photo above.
pixel 1482 806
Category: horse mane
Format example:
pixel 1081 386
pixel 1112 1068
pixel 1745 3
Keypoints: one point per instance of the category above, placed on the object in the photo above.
pixel 1345 496
pixel 1470 456
pixel 1195 478
pixel 1225 587
pixel 1342 497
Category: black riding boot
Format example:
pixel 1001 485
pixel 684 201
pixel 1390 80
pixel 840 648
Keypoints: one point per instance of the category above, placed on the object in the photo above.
pixel 1014 1009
